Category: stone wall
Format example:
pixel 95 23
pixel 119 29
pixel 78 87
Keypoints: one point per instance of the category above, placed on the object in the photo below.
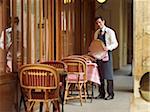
pixel 141 55
pixel 141 59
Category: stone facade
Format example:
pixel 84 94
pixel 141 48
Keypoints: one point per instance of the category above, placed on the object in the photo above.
pixel 141 59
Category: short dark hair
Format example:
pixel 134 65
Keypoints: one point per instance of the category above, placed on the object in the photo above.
pixel 16 20
pixel 99 17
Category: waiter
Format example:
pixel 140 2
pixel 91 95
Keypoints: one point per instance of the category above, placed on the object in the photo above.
pixel 105 65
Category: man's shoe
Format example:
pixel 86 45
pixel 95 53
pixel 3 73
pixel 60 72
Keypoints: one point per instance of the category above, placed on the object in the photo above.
pixel 100 96
pixel 109 97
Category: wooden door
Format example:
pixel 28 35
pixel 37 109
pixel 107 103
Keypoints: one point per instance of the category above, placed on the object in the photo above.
pixel 77 25
pixel 88 24
pixel 39 28
pixel 70 38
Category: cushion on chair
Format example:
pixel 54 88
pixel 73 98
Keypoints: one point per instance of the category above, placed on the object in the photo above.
pixel 41 95
pixel 75 77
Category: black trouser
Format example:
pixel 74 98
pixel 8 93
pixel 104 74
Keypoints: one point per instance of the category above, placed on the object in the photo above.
pixel 110 89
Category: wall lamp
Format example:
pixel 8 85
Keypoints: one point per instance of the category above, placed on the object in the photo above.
pixel 101 1
pixel 67 1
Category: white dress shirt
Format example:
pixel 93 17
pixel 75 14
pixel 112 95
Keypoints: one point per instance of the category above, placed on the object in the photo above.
pixel 8 38
pixel 110 38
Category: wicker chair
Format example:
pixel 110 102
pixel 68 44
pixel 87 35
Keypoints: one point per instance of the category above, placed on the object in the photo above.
pixel 59 65
pixel 39 83
pixel 76 79
pixel 61 68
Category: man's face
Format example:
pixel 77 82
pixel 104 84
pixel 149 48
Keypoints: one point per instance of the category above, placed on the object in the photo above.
pixel 100 23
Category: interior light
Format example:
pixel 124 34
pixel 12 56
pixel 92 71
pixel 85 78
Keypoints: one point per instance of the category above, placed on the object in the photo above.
pixel 67 1
pixel 101 1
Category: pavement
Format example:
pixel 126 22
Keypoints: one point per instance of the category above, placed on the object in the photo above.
pixel 123 89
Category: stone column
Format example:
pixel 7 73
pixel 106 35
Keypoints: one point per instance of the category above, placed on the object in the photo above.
pixel 141 54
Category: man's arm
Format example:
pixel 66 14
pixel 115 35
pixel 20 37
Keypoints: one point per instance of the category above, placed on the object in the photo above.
pixel 111 41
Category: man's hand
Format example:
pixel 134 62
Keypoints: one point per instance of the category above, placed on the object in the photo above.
pixel 105 48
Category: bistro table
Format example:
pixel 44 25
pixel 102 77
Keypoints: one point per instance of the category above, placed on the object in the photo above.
pixel 92 76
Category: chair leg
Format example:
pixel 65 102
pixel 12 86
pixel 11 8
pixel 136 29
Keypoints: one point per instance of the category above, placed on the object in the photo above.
pixel 41 106
pixel 22 100
pixel 46 107
pixel 80 92
pixel 92 95
pixel 66 92
pixel 30 106
pixel 56 106
pixel 85 91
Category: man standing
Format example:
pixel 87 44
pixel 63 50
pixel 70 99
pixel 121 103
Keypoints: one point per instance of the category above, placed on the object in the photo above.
pixel 105 65
pixel 8 43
